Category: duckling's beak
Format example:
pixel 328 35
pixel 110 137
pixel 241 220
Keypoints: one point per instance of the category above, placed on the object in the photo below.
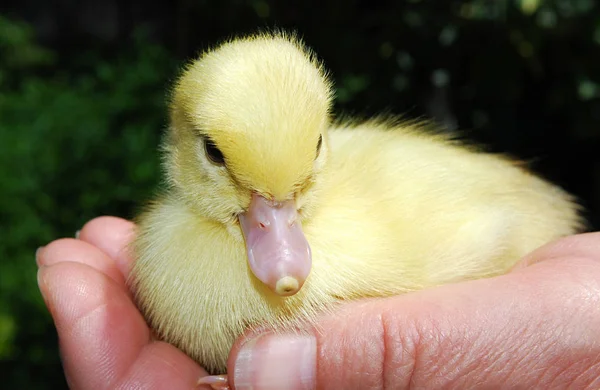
pixel 278 252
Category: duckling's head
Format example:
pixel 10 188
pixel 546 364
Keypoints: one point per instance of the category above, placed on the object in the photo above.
pixel 247 144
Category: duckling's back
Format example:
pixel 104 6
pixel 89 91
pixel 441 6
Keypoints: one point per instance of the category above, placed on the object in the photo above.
pixel 404 209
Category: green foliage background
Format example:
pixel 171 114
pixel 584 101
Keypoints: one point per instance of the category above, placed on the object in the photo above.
pixel 74 145
pixel 81 117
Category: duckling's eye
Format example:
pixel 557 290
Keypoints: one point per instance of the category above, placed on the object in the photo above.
pixel 213 153
pixel 319 145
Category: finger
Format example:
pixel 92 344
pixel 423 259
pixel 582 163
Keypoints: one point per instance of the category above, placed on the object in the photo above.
pixel 113 236
pixel 162 366
pixel 104 340
pixel 100 331
pixel 528 329
pixel 581 245
pixel 76 251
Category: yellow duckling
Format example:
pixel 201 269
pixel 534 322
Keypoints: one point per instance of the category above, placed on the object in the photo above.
pixel 274 214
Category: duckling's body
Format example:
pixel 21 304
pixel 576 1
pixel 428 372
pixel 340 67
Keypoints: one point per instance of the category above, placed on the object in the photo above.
pixel 389 208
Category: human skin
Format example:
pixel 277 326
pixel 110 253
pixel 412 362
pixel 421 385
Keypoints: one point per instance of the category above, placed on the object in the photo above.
pixel 536 327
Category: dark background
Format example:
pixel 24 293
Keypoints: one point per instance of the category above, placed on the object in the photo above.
pixel 82 88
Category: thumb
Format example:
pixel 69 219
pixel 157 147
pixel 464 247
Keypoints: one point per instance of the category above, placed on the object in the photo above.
pixel 517 330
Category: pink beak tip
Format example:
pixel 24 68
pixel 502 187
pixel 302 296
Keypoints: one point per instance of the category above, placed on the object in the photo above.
pixel 287 286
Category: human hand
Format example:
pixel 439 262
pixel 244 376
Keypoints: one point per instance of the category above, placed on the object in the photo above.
pixel 104 341
pixel 535 327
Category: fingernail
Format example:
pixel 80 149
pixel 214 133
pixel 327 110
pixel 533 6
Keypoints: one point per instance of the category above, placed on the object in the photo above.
pixel 77 234
pixel 38 253
pixel 284 362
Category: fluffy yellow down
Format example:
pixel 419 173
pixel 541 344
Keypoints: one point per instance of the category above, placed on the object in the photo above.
pixel 387 207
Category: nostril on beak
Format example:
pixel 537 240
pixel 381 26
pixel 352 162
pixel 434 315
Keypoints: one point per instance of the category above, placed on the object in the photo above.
pixel 263 225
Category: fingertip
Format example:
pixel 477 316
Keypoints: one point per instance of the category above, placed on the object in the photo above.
pixel 71 289
pixel 107 219
pixel 101 332
pixel 113 236
pixel 38 255
pixel 76 251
